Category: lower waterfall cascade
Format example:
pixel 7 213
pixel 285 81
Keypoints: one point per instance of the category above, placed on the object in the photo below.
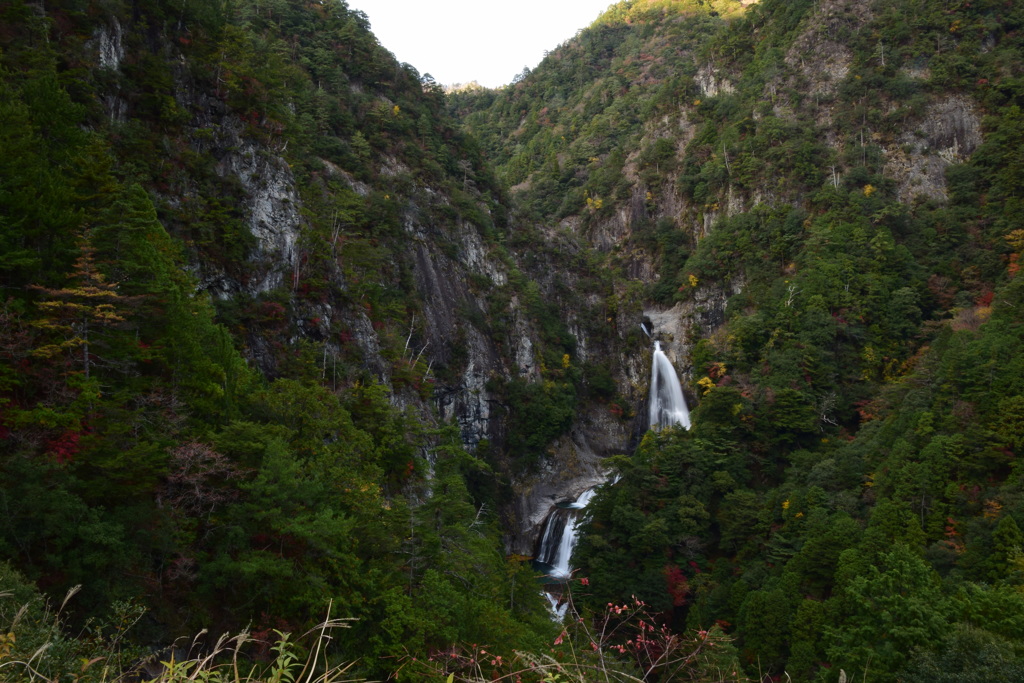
pixel 561 533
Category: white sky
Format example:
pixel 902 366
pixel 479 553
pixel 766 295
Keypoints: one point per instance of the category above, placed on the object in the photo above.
pixel 489 41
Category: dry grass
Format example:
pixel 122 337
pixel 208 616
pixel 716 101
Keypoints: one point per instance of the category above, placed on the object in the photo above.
pixel 35 649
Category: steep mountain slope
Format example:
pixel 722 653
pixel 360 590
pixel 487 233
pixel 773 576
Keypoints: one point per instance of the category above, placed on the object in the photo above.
pixel 818 198
pixel 247 263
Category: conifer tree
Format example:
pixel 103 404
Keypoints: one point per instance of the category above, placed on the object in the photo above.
pixel 1007 546
pixel 75 313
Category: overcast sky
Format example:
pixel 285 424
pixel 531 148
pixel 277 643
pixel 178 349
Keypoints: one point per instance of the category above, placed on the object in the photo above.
pixel 457 41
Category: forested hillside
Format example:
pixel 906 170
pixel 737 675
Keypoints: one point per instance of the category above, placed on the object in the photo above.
pixel 288 334
pixel 221 232
pixel 826 193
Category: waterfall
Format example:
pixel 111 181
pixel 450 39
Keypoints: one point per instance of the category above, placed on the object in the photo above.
pixel 667 405
pixel 561 533
pixel 556 605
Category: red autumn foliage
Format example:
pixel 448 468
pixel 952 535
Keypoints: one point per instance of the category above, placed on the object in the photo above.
pixel 271 310
pixel 678 586
pixel 65 447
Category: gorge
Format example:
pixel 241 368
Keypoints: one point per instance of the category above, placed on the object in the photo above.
pixel 561 528
pixel 286 325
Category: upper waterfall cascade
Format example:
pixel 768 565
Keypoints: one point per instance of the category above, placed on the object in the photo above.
pixel 667 406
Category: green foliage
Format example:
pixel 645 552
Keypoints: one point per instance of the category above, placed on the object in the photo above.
pixel 857 416
pixel 965 654
pixel 568 126
pixel 144 455
pixel 852 470
pixel 538 413
pixel 886 612
pixel 36 644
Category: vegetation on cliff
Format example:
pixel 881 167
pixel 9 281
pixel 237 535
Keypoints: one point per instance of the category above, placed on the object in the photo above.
pixel 220 340
pixel 145 455
pixel 848 496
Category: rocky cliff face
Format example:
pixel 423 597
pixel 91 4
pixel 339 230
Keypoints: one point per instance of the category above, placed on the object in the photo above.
pixel 450 305
pixel 768 202
pixel 947 134
pixel 573 466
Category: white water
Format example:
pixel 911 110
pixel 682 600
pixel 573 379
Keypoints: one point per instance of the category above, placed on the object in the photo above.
pixel 555 606
pixel 584 500
pixel 667 405
pixel 561 534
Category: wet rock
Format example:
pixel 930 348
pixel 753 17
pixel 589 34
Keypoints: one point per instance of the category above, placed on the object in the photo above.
pixel 573 466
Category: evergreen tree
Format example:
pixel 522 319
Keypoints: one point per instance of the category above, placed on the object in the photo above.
pixel 78 314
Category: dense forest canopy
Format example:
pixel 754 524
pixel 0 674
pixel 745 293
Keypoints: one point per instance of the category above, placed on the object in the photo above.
pixel 287 329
